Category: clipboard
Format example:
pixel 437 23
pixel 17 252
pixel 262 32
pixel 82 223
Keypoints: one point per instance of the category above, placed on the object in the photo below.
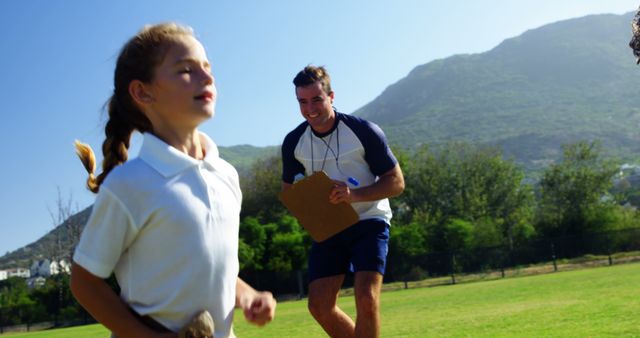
pixel 308 201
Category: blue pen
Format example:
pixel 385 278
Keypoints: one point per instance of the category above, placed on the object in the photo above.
pixel 298 177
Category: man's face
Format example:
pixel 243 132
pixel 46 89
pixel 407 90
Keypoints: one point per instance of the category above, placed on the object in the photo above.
pixel 316 106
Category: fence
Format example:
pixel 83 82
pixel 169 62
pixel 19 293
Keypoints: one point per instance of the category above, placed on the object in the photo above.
pixel 36 315
pixel 538 256
pixel 535 256
pixel 603 248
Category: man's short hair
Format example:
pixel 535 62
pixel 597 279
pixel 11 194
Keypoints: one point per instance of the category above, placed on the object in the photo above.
pixel 311 74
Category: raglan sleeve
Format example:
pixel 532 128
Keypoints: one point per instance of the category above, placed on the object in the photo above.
pixel 290 165
pixel 378 154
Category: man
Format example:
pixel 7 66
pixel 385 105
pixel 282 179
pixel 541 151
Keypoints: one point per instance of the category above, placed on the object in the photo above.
pixel 355 154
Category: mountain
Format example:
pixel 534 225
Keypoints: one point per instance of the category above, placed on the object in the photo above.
pixel 61 240
pixel 567 81
pixel 241 156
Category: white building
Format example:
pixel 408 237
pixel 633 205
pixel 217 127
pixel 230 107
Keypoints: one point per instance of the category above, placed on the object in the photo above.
pixel 45 268
pixel 4 274
pixel 60 267
pixel 36 282
pixel 18 272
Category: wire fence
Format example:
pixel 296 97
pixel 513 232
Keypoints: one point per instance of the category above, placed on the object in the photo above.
pixel 450 267
pixel 431 269
pixel 548 255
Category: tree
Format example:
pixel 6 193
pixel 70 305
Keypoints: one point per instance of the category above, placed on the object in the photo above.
pixel 68 225
pixel 407 249
pixel 253 238
pixel 279 246
pixel 14 295
pixel 260 188
pixel 465 183
pixel 574 197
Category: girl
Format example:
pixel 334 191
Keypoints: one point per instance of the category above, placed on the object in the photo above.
pixel 166 223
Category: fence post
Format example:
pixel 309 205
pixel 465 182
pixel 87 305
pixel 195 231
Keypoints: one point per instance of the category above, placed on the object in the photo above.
pixel 553 256
pixel 502 261
pixel 453 268
pixel 300 287
pixel 609 248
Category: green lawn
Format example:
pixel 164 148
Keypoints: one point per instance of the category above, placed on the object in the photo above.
pixel 596 302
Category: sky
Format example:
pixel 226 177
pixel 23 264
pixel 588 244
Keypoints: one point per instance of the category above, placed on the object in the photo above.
pixel 58 57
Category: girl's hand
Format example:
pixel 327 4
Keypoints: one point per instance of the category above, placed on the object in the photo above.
pixel 260 309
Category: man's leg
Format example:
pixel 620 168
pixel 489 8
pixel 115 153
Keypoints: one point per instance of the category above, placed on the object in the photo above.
pixel 367 287
pixel 323 297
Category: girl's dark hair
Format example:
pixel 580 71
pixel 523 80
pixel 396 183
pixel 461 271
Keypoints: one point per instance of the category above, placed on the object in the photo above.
pixel 138 60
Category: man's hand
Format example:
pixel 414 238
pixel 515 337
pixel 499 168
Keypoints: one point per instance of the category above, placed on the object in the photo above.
pixel 389 184
pixel 341 193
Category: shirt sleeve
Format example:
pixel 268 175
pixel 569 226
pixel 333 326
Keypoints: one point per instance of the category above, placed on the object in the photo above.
pixel 290 165
pixel 378 154
pixel 108 233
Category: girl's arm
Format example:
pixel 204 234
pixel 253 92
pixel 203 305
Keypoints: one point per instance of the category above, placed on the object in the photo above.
pixel 97 297
pixel 259 307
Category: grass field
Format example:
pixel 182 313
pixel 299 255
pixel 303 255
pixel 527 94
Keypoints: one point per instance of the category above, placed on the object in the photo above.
pixel 595 302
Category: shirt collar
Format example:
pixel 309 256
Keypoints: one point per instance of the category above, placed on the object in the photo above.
pixel 169 161
pixel 338 117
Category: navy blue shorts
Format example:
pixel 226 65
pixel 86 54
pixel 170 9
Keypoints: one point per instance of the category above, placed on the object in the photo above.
pixel 362 246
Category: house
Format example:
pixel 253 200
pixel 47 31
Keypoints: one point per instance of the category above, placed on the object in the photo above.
pixel 46 268
pixel 60 266
pixel 18 272
pixel 36 282
pixel 41 268
pixel 4 274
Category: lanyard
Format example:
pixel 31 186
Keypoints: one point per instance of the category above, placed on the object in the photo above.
pixel 326 152
pixel 336 154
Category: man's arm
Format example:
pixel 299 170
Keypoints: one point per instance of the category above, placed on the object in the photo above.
pixel 259 307
pixel 389 184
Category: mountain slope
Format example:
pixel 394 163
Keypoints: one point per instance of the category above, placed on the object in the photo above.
pixel 559 83
pixel 66 234
pixel 241 157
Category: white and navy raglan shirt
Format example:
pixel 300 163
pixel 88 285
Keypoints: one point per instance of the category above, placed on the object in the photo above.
pixel 352 148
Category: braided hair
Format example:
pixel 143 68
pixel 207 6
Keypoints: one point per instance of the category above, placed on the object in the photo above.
pixel 137 61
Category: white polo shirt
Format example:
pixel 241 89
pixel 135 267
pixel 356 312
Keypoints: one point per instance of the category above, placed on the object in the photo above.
pixel 167 226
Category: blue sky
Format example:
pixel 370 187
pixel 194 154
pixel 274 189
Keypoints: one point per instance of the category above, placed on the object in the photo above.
pixel 57 64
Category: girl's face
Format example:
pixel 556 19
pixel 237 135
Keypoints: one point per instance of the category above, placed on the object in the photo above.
pixel 182 92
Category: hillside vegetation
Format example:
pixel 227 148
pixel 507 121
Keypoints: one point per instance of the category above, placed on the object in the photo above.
pixel 560 83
